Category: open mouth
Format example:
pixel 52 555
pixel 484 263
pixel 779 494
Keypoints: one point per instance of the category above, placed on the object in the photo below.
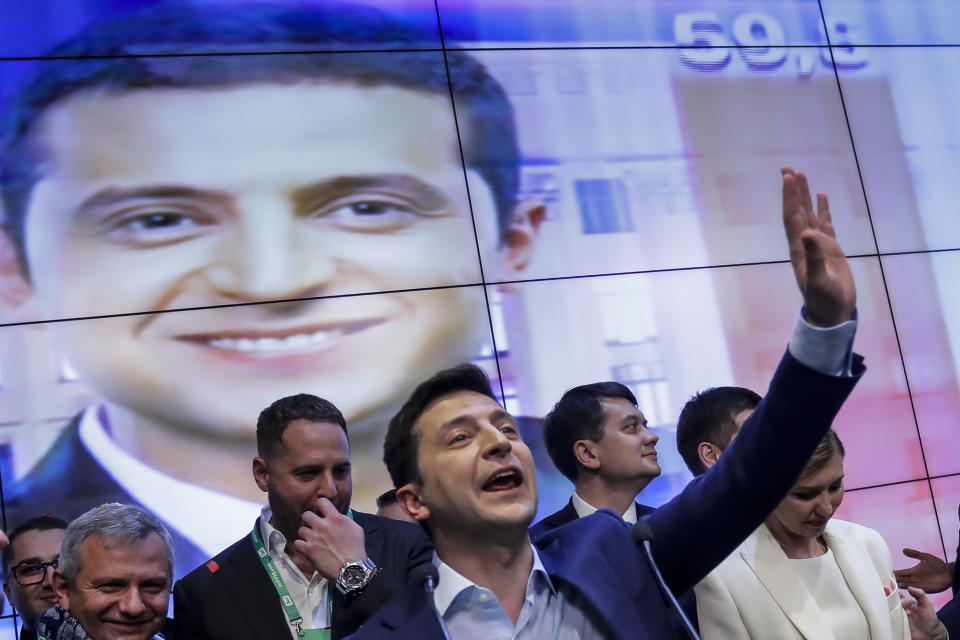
pixel 504 480
pixel 298 340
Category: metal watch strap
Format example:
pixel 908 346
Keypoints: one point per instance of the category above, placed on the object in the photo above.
pixel 369 567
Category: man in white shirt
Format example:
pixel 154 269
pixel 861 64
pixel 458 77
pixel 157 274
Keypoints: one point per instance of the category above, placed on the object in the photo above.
pixel 311 565
pixel 598 438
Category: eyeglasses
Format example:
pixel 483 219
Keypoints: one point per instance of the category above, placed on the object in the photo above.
pixel 27 573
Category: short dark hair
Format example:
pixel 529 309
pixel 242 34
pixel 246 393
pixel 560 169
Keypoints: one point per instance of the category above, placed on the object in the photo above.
pixel 400 445
pixel 387 498
pixel 40 523
pixel 579 415
pixel 708 417
pixel 211 47
pixel 829 445
pixel 275 419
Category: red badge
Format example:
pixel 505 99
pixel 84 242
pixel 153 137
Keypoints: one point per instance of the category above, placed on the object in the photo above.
pixel 213 566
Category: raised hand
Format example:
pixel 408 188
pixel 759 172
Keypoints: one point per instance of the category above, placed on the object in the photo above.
pixel 924 624
pixel 821 268
pixel 330 541
pixel 930 574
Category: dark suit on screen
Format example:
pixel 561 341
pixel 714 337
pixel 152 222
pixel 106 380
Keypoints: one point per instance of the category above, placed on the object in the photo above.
pixel 231 597
pixel 68 481
pixel 569 514
pixel 594 559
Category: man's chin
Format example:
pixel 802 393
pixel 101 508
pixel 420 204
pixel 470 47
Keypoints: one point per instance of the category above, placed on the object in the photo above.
pixel 131 631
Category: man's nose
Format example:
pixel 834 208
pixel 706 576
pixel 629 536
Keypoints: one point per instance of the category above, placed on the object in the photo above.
pixel 131 603
pixel 649 437
pixel 327 486
pixel 268 257
pixel 48 577
pixel 496 442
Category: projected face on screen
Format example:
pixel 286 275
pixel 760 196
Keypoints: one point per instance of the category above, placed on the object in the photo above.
pixel 178 199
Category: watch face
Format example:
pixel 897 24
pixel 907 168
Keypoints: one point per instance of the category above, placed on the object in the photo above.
pixel 353 576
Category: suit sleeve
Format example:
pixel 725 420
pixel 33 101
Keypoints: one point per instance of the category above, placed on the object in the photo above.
pixel 407 548
pixel 696 530
pixel 717 613
pixel 185 625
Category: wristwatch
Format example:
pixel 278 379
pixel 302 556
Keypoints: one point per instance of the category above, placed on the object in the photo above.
pixel 354 576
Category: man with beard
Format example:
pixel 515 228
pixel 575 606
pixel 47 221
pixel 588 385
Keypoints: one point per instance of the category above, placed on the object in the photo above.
pixel 311 567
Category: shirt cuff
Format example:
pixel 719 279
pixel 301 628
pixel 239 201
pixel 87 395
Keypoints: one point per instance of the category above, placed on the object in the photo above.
pixel 827 350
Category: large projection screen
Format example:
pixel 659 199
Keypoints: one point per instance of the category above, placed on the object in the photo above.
pixel 190 236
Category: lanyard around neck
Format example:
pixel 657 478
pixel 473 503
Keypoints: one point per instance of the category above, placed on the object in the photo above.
pixel 293 614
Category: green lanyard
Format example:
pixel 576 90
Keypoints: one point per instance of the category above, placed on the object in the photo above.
pixel 293 614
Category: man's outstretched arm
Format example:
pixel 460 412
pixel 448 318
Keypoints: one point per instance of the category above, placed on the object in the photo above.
pixel 709 519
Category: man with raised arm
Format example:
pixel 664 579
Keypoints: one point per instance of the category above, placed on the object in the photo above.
pixel 461 469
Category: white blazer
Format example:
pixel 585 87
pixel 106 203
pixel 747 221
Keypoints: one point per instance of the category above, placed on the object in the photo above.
pixel 754 593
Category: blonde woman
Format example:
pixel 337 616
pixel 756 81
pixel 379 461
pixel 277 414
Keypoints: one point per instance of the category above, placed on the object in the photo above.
pixel 804 575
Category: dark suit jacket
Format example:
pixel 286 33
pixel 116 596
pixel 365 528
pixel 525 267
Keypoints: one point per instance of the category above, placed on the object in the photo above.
pixel 68 481
pixel 687 599
pixel 594 559
pixel 950 616
pixel 956 567
pixel 569 514
pixel 234 599
pixel 950 613
pixel 26 634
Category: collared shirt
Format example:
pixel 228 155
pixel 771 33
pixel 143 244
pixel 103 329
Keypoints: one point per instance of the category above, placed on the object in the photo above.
pixel 471 612
pixel 184 506
pixel 827 350
pixel 584 508
pixel 310 596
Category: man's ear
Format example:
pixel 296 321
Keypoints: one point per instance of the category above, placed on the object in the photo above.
pixel 261 473
pixel 408 497
pixel 708 453
pixel 586 455
pixel 520 238
pixel 61 589
pixel 15 290
pixel 6 588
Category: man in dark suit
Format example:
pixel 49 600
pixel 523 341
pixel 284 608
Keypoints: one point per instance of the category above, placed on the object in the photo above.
pixel 709 422
pixel 310 563
pixel 462 470
pixel 598 438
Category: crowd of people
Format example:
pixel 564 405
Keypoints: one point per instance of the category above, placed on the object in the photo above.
pixel 749 548
pixel 752 536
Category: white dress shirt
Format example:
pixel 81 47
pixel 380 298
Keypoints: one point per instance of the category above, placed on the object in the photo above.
pixel 584 509
pixel 184 506
pixel 471 612
pixel 311 595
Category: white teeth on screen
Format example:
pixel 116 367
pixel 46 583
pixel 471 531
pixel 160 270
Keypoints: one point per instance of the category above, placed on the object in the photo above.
pixel 290 343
